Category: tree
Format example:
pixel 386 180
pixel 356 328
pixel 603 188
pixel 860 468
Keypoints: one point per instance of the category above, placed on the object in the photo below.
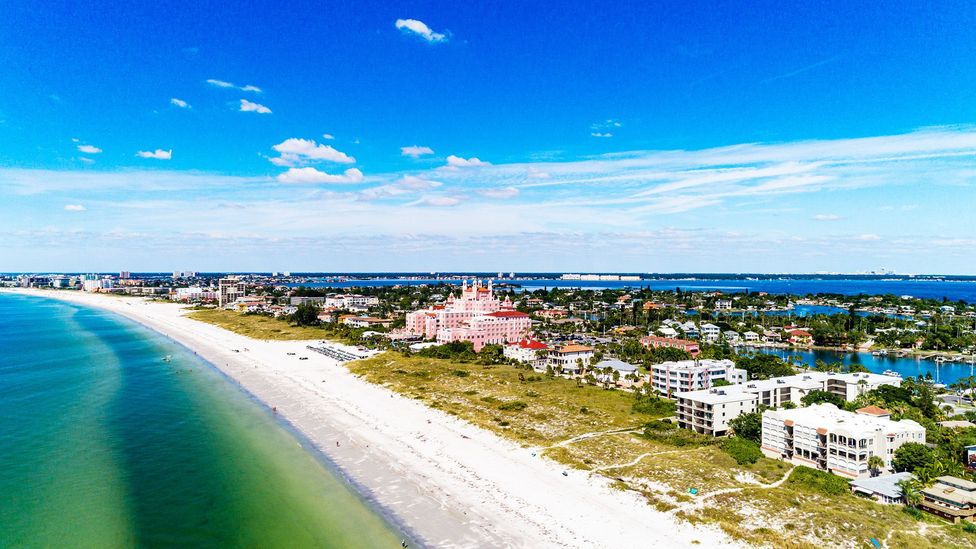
pixel 910 491
pixel 818 396
pixel 875 464
pixel 911 456
pixel 748 426
pixel 306 314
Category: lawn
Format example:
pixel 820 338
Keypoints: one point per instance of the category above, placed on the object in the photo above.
pixel 596 430
pixel 257 326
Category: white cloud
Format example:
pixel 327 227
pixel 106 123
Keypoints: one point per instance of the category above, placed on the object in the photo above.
pixel 297 152
pixel 421 29
pixel 225 84
pixel 86 160
pixel 407 185
pixel 75 140
pixel 504 193
pixel 601 134
pixel 311 175
pixel 179 103
pixel 247 106
pixel 74 208
pixel 220 83
pixel 89 149
pixel 827 217
pixel 439 201
pixel 415 151
pixel 328 136
pixel 868 237
pixel 459 162
pixel 536 173
pixel 158 154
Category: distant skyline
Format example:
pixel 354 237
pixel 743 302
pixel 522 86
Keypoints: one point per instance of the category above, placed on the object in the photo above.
pixel 368 137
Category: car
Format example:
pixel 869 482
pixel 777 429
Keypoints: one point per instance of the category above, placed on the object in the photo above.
pixel 291 354
pixel 303 358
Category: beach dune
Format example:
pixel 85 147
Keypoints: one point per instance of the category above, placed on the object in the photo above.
pixel 445 481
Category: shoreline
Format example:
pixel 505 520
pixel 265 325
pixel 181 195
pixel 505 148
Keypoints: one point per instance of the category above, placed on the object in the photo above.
pixel 442 481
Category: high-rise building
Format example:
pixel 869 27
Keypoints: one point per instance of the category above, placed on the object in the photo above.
pixel 229 289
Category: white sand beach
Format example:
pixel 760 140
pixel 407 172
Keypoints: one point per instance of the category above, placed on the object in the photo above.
pixel 451 483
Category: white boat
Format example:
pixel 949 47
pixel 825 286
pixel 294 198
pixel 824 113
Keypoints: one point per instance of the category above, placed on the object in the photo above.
pixel 891 373
pixel 167 358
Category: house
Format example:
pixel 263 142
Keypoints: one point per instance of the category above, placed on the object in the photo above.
pixel 799 337
pixel 690 330
pixel 366 321
pixel 732 336
pixel 723 305
pixel 750 337
pixel 772 336
pixel 621 368
pixel 883 489
pixel 710 332
pixel 824 437
pixel 566 359
pixel 529 351
pixel 684 344
pixel 667 331
pixel 553 314
pixel 951 498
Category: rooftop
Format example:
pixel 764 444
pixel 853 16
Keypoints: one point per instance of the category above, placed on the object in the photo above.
pixel 574 348
pixel 886 485
pixel 829 417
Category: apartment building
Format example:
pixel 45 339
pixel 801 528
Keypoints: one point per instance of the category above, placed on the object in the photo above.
pixel 694 375
pixel 229 289
pixel 841 442
pixel 708 410
pixel 685 344
pixel 952 498
pixel 350 301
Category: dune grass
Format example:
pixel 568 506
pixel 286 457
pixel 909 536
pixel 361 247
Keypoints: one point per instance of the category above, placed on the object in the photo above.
pixel 257 326
pixel 596 430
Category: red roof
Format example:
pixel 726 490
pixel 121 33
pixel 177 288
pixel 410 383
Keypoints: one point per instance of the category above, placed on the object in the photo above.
pixel 507 314
pixel 873 411
pixel 800 333
pixel 531 344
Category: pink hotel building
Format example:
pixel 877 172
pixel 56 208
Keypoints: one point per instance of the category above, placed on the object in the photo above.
pixel 476 316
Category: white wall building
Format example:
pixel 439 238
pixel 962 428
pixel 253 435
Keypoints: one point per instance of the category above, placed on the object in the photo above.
pixel 565 358
pixel 826 438
pixel 348 301
pixel 694 375
pixel 528 351
pixel 708 411
pixel 710 332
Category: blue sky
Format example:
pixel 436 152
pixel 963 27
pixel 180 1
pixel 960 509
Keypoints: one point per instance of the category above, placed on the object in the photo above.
pixel 525 136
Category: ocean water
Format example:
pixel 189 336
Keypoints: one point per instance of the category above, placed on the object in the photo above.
pixel 922 288
pixel 103 444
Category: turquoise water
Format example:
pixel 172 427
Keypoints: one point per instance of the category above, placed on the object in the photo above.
pixel 103 444
pixel 948 372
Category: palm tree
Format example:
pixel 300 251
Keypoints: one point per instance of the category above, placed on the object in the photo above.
pixel 875 464
pixel 910 491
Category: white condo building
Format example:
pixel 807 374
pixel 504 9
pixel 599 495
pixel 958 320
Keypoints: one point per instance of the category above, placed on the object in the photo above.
pixel 841 442
pixel 709 411
pixel 694 375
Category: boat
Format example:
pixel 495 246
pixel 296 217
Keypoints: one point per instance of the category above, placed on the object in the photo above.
pixel 167 358
pixel 940 359
pixel 891 373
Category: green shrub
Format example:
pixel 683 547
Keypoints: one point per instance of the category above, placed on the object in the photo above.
pixel 653 405
pixel 817 481
pixel 743 451
pixel 967 527
pixel 460 373
pixel 513 406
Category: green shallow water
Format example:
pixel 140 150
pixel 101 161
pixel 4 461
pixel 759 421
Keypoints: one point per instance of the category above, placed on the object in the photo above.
pixel 102 444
